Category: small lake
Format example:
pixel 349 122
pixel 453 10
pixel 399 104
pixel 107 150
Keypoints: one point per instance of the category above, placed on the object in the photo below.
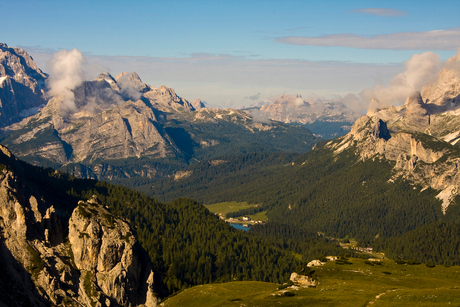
pixel 239 226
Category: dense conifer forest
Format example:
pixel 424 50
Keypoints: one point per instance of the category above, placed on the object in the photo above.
pixel 338 195
pixel 187 244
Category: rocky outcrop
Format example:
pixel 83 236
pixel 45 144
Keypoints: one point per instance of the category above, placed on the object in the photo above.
pixel 315 263
pixel 303 281
pixel 22 85
pixel 100 264
pixel 108 257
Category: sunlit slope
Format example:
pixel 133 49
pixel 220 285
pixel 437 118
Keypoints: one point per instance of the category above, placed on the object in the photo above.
pixel 355 284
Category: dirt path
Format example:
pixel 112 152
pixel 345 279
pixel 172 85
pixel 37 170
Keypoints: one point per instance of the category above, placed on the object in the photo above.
pixel 378 296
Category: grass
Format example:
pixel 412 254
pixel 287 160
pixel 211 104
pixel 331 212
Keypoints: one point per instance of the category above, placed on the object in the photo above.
pixel 260 216
pixel 36 262
pixel 356 284
pixel 229 206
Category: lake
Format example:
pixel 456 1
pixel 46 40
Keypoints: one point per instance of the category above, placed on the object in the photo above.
pixel 239 226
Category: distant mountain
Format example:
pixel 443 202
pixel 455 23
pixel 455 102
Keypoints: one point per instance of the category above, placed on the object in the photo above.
pixel 22 85
pixel 324 119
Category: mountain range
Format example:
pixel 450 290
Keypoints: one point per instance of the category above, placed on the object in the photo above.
pixel 122 128
pixel 324 118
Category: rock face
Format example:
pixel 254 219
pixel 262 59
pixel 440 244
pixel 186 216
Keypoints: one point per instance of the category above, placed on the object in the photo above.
pixel 100 264
pixel 21 85
pixel 107 256
pixel 107 123
pixel 303 281
pixel 446 91
pixel 420 137
pixel 198 104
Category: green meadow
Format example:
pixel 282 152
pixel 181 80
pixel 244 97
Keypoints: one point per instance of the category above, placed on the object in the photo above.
pixel 233 206
pixel 355 284
pixel 229 206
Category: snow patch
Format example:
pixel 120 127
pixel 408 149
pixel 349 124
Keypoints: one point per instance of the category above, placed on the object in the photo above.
pixel 3 79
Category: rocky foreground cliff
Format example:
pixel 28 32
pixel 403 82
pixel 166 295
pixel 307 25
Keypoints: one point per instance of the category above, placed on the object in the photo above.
pixel 90 258
pixel 420 138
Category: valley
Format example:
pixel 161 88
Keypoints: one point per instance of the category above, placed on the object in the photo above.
pixel 116 192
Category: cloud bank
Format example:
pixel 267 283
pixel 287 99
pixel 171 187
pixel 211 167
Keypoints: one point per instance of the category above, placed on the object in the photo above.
pixel 380 12
pixel 420 69
pixel 431 40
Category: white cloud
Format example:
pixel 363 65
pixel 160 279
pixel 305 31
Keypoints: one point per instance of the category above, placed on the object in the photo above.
pixel 66 73
pixel 431 40
pixel 420 70
pixel 380 12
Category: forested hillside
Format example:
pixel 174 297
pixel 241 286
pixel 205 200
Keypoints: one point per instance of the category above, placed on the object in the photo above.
pixel 187 244
pixel 339 195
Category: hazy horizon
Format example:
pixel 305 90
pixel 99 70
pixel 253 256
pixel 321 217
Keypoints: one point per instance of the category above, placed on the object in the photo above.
pixel 235 54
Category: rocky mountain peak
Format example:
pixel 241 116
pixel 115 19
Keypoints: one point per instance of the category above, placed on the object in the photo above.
pixel 446 88
pixel 416 111
pixel 131 84
pixel 22 85
pixel 105 76
pixel 19 65
pixel 197 104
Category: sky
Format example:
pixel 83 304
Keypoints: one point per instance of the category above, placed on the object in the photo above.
pixel 235 53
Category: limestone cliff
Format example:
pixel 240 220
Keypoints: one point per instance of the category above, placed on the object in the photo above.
pixel 21 85
pixel 91 259
pixel 417 138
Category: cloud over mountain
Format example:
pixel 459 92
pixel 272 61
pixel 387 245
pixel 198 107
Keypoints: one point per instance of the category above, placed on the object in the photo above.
pixel 66 73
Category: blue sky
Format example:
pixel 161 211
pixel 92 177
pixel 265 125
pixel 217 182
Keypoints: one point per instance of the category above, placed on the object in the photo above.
pixel 226 51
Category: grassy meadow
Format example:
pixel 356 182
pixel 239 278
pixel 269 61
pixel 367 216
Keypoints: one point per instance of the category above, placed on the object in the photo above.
pixel 232 206
pixel 355 284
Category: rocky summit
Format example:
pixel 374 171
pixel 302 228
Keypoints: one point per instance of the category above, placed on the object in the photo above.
pixel 22 85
